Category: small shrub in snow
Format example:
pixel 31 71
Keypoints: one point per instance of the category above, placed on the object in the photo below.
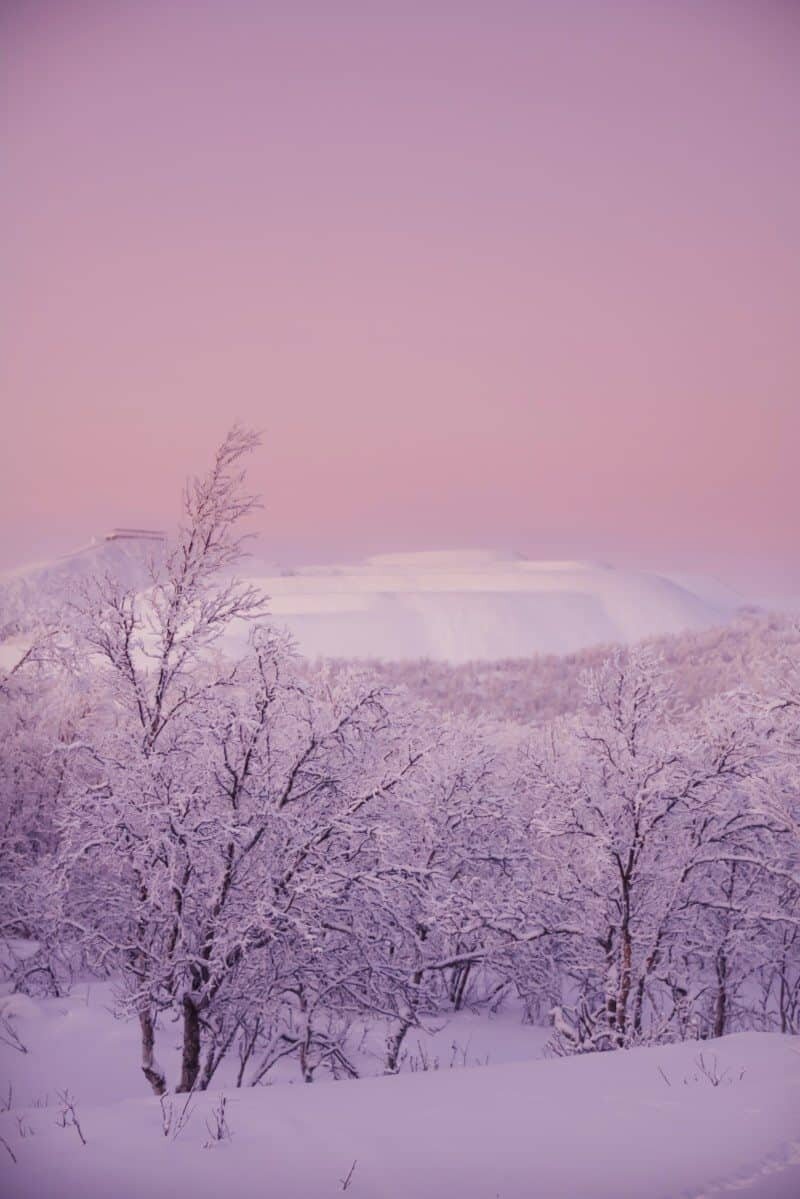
pixel 68 1117
pixel 175 1117
pixel 23 1128
pixel 217 1124
pixel 710 1071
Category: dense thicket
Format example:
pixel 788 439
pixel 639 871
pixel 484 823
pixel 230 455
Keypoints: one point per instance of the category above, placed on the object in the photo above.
pixel 273 854
pixel 703 663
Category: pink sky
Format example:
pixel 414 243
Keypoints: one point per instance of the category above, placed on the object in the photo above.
pixel 517 274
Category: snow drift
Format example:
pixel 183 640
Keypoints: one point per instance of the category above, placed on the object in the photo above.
pixel 654 1123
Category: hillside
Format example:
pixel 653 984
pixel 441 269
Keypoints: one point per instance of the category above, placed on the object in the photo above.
pixel 658 1123
pixel 460 606
pixel 452 606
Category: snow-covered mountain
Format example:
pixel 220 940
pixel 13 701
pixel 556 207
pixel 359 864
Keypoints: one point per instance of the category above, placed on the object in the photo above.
pixel 461 605
pixel 453 605
pixel 40 588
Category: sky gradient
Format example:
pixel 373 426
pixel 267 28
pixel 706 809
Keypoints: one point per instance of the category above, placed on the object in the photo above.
pixel 485 274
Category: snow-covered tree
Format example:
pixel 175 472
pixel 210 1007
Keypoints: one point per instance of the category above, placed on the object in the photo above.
pixel 216 809
pixel 647 808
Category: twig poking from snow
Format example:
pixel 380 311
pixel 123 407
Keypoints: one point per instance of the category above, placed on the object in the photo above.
pixel 217 1125
pixel 712 1073
pixel 349 1176
pixel 664 1076
pixel 23 1128
pixel 67 1117
pixel 11 1152
pixel 10 1037
pixel 173 1122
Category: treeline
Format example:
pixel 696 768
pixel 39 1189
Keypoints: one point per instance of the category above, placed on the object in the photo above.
pixel 542 687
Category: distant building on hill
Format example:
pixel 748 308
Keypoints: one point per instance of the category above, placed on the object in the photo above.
pixel 135 535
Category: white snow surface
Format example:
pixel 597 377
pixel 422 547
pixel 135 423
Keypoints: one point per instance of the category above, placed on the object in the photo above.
pixel 476 604
pixel 452 605
pixel 635 1124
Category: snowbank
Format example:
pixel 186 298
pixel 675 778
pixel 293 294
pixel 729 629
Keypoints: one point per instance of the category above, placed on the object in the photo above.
pixel 639 1124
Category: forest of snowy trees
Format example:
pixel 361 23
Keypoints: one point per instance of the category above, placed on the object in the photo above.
pixel 273 853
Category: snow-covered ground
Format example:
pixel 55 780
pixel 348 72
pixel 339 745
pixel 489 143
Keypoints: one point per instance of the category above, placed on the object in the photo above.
pixel 76 1041
pixel 643 1123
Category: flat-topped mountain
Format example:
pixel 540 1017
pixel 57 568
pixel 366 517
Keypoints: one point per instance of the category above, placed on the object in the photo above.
pixel 458 605
pixel 450 605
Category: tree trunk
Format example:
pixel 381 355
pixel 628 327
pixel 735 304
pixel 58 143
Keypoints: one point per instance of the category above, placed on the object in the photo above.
pixel 150 1067
pixel 190 1059
pixel 624 984
pixel 460 985
pixel 611 986
pixel 394 1044
pixel 721 1003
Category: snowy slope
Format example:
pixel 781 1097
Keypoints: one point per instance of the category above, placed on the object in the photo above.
pixel 453 605
pixel 42 586
pixel 458 606
pixel 126 558
pixel 636 1124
